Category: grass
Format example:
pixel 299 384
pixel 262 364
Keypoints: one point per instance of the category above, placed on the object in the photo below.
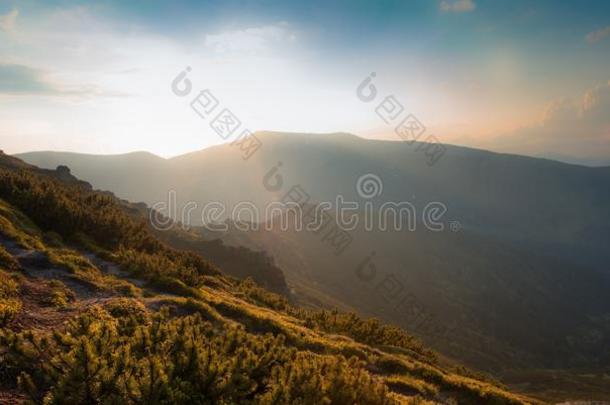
pixel 16 226
pixel 84 271
pixel 413 376
pixel 7 260
pixel 10 304
pixel 407 384
pixel 59 295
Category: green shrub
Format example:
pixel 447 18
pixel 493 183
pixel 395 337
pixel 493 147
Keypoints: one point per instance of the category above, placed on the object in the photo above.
pixel 58 294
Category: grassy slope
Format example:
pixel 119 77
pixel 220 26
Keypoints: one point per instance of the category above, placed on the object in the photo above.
pixel 51 288
pixel 50 303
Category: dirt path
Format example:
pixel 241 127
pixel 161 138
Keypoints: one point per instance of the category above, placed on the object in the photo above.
pixel 112 269
pixel 37 313
pixel 35 291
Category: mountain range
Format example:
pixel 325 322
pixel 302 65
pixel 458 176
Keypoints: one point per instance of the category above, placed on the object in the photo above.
pixel 94 308
pixel 515 283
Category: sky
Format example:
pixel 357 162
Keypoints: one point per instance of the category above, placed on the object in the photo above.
pixel 511 76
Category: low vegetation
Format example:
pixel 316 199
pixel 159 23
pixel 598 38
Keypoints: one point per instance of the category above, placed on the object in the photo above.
pixel 10 303
pixel 126 319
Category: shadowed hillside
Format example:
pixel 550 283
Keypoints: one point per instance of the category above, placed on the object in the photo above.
pixel 550 206
pixel 95 309
pixel 523 274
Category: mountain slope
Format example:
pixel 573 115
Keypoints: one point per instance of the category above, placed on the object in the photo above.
pixel 525 275
pixel 96 309
pixel 526 310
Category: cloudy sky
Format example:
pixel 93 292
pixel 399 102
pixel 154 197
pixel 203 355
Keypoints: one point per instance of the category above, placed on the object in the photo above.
pixel 515 76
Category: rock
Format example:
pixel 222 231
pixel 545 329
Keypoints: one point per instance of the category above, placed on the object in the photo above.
pixel 34 259
pixel 63 170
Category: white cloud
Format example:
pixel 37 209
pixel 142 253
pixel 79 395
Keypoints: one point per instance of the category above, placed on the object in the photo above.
pixel 8 21
pixel 251 40
pixel 254 70
pixel 588 114
pixel 575 129
pixel 457 6
pixel 21 80
pixel 598 35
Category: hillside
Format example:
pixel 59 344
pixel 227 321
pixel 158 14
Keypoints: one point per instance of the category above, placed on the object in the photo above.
pixel 95 309
pixel 521 286
pixel 239 262
pixel 528 314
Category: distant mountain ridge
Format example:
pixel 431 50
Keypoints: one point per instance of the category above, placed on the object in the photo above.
pixel 547 204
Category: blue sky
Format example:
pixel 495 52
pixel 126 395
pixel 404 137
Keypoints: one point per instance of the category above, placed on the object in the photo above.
pixel 517 76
